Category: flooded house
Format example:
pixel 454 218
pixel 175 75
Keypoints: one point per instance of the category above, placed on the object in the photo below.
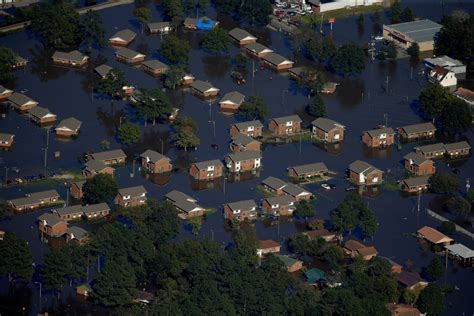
pixel 129 56
pixel 155 162
pixel 68 127
pixel 69 213
pixel 448 63
pixel 159 27
pixel 250 128
pixel 6 140
pixel 296 192
pixel 243 161
pixel 267 246
pixel 434 237
pixel 444 77
pixel 416 184
pixel 187 80
pixel 109 157
pixel 466 95
pixel 327 130
pixel 432 151
pixel 244 143
pixel 329 87
pixel 42 116
pixel 402 310
pixel 76 189
pixel 206 170
pixel 274 185
pixel 418 165
pixel 363 173
pixel 231 101
pixel 381 137
pixel 76 234
pixel 52 225
pixel 73 58
pixel 35 200
pixel 285 125
pixel 241 210
pixel 322 233
pixel 103 70
pixel 94 167
pixel 20 62
pixel 131 196
pixel 186 206
pixel 277 62
pixel 21 102
pixel 204 89
pixel 416 132
pixel 297 72
pixel 93 211
pixel 291 264
pixel 257 50
pixel 410 280
pixel 155 67
pixel 457 150
pixel 317 169
pixel 461 253
pixel 242 36
pixel 354 248
pixel 282 205
pixel 4 93
pixel 190 24
pixel 122 38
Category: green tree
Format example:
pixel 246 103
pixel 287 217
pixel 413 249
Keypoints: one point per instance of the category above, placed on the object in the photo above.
pixel 216 41
pixel 256 11
pixel 153 104
pixel 101 188
pixel 395 12
pixel 343 218
pixel 360 21
pixel 391 50
pixel 470 195
pixel 93 30
pixel 185 135
pixel 407 15
pixel 304 209
pixel 414 51
pixel 349 60
pixel 55 272
pixel 447 227
pixel 316 106
pixel 227 6
pixel 434 270
pixel 458 205
pixel 444 183
pixel 433 100
pixel 116 284
pixel 173 77
pixel 410 296
pixel 174 10
pixel 302 246
pixel 129 133
pixel 7 61
pixel 16 260
pixel 368 223
pixel 241 60
pixel 333 255
pixel 143 14
pixel 431 300
pixel 254 108
pixel 314 45
pixel 175 50
pixel 112 85
pixel 456 116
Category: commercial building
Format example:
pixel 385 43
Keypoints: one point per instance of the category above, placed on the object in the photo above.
pixel 406 34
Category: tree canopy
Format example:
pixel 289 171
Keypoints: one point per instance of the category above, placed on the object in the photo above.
pixel 254 108
pixel 7 61
pixel 443 182
pixel 174 10
pixel 175 50
pixel 112 85
pixel 173 77
pixel 129 133
pixel 256 11
pixel 153 104
pixel 93 29
pixel 349 60
pixel 15 259
pixel 185 135
pixel 435 270
pixel 216 41
pixel 395 12
pixel 316 106
pixel 430 300
pixel 304 209
pixel 458 205
pixel 101 188
pixel 314 45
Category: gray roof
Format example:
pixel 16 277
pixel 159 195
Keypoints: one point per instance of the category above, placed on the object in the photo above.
pixel 284 119
pixel 275 59
pixel 245 125
pixel 244 140
pixel 202 86
pixel 417 158
pixel 20 98
pixel 95 208
pixel 416 181
pixel 240 34
pixel 444 61
pixel 153 155
pixel 70 123
pixel 176 195
pixel 133 191
pixel 274 183
pixel 419 31
pixel 192 21
pixel 155 64
pixel 20 59
pixel 245 155
pixel 109 154
pixel 233 97
pixel 3 89
pixel 312 167
pixel 127 35
pixel 457 146
pixel 461 251
pixel 431 148
pixel 242 205
pixel 40 112
pixel 127 53
pixel 418 128
pixel 186 206
pixel 379 131
pixel 297 70
pixel 326 124
pixel 256 47
pixel 74 55
pixel 44 194
pixel 294 190
pixel 95 165
pixel 103 70
pixel 69 210
pixel 77 232
pixel 6 137
pixel 207 163
pixel 281 199
pixel 158 25
pixel 360 166
pixel 51 219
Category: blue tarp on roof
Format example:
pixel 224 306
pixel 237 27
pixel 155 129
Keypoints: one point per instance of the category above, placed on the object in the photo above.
pixel 205 24
pixel 315 275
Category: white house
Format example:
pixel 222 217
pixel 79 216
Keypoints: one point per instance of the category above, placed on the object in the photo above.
pixel 443 76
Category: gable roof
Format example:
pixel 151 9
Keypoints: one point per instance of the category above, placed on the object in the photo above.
pixel 354 245
pixel 314 275
pixel 379 131
pixel 433 235
pixel 6 137
pixel 155 64
pixel 20 98
pixel 318 233
pixel 276 59
pixel 202 86
pixel 187 206
pixel 68 210
pixel 311 167
pixel 95 165
pixel 294 190
pixel 245 155
pixel 128 53
pixel 109 154
pixel 44 194
pixel 360 166
pixel 409 279
pixel 126 35
pixel 257 48
pixel 245 125
pixel 367 251
pixel 416 181
pixel 76 232
pixel 431 148
pixel 234 97
pixel 274 183
pixel 91 208
pixel 103 70
pixel 70 123
pixel 402 310
pixel 461 251
pixel 4 90
pixel 416 158
pixel 240 34
pixel 50 219
pixel 208 163
pixel 153 156
pixel 326 124
pixel 280 200
pixel 176 195
pixel 242 205
pixel 268 243
pixel 244 140
pixel 289 118
pixel 40 112
pixel 158 25
pixel 418 128
pixel 465 94
pixel 190 21
pixel 133 191
pixel 457 146
pixel 287 260
pixel 74 55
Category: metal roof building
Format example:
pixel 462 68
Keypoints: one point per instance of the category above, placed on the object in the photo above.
pixel 406 34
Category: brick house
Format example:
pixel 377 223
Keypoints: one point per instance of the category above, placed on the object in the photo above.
pixel 380 137
pixel 242 142
pixel 76 189
pixel 257 50
pixel 456 150
pixel 415 185
pixel 267 246
pixel 432 151
pixel 241 210
pixel 274 185
pixel 285 125
pixel 68 127
pixel 316 169
pixel 51 225
pixel 110 157
pixel 129 56
pixel 186 206
pixel 296 192
pixel 155 162
pixel 76 234
pixel 35 200
pixel 95 167
pixel 6 140
pixel 131 197
pixel 354 248
pixel 231 101
pixel 42 116
pixel 277 62
pixel 69 213
pixel 291 264
pixel 362 173
pixel 204 89
pixel 73 58
pixel 21 102
pixel 328 130
pixel 96 210
pixel 242 36
pixel 243 161
pixel 282 205
pixel 418 165
pixel 251 128
pixel 206 170
pixel 155 67
pixel 415 132
pixel 122 38
pixel 4 93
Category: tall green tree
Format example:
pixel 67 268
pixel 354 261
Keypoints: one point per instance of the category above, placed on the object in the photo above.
pixel 433 100
pixel 431 300
pixel 458 205
pixel 254 108
pixel 443 182
pixel 93 30
pixel 227 6
pixel 368 223
pixel 174 10
pixel 185 135
pixel 15 259
pixel 101 188
pixel 360 21
pixel 304 209
pixel 174 76
pixel 435 269
pixel 112 85
pixel 395 12
pixel 316 106
pixel 153 104
pixel 216 41
pixel 143 14
pixel 456 116
pixel 175 50
pixel 129 133
pixel 343 218
pixel 55 270
pixel 256 11
pixel 407 15
pixel 7 61
pixel 414 51
pixel 349 60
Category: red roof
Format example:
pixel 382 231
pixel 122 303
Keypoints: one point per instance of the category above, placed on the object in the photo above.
pixel 267 244
pixel 465 94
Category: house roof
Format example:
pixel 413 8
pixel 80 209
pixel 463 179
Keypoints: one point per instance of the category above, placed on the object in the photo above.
pixel 245 155
pixel 240 34
pixel 416 158
pixel 419 31
pixel 431 148
pixel 268 243
pixel 461 251
pixel 234 97
pixel 91 208
pixel 312 167
pixel 44 194
pixel 76 232
pixel 465 94
pixel 314 275
pixel 127 53
pixel 95 165
pixel 319 233
pixel 360 166
pixel 289 118
pixel 274 183
pixel 50 219
pixel 244 140
pixel 297 70
pixel 202 86
pixel 280 200
pixel 257 48
pixel 245 125
pixel 126 35
pixel 242 205
pixel 443 61
pixel 74 55
pixel 433 235
pixel 158 25
pixel 153 156
pixel 367 251
pixel 4 90
pixel 379 131
pixel 326 124
pixel 187 206
pixel 208 163
pixel 176 195
pixel 133 191
pixel 190 21
pixel 417 181
pixel 69 210
pixel 287 260
pixel 409 279
pixel 439 71
pixel 294 190
pixel 418 128
pixel 276 59
pixel 155 64
pixel 402 310
pixel 143 296
pixel 457 146
pixel 103 70
pixel 70 123
pixel 20 98
pixel 40 112
pixel 354 245
pixel 109 154
pixel 6 137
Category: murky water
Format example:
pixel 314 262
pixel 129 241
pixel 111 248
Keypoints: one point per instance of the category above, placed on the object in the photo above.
pixel 359 104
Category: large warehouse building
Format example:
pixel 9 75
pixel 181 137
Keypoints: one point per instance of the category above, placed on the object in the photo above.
pixel 421 32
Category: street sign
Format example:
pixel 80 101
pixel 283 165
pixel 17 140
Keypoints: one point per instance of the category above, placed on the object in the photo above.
pixel 332 20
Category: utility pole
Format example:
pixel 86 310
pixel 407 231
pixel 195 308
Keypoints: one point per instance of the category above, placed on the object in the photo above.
pixel 214 128
pixel 386 119
pixel 446 268
pixel 46 148
pixel 321 25
pixel 133 168
pixel 162 144
pixel 67 194
pixel 418 210
pixel 6 176
pixel 411 73
pixel 224 184
pixel 386 84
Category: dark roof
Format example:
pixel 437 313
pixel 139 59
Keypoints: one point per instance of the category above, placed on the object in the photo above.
pixel 126 35
pixel 158 25
pixel 155 64
pixel 274 183
pixel 233 97
pixel 202 86
pixel 94 165
pixel 417 181
pixel 40 112
pixel 409 279
pixel 418 128
pixel 457 146
pixel 3 89
pixel 326 124
pixel 50 219
pixel 190 21
pixel 294 190
pixel 297 70
pixel 207 163
pixel 245 125
pixel 91 208
pixel 153 156
pixel 45 194
pixel 6 137
pixel 70 123
pixel 133 191
pixel 360 166
pixel 431 148
pixel 20 98
pixel 242 205
pixel 284 119
pixel 275 59
pixel 287 260
pixel 319 233
pixel 257 47
pixel 245 155
pixel 240 34
pixel 176 195
pixel 309 168
pixel 127 53
pixel 416 158
pixel 379 131
pixel 244 140
pixel 281 199
pixel 109 154
pixel 69 210
pixel 74 55
pixel 314 275
pixel 103 70
pixel 354 245
pixel 187 206
pixel 76 232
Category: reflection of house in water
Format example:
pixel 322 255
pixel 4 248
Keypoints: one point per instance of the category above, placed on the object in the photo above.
pixel 369 191
pixel 157 178
pixel 198 185
pixel 243 176
pixel 371 152
pixel 331 148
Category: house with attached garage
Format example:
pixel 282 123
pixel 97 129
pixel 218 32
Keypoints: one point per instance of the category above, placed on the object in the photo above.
pixel 416 184
pixel 204 89
pixel 243 161
pixel 122 38
pixel 6 140
pixel 241 210
pixel 42 116
pixel 415 132
pixel 73 58
pixel 155 162
pixel 282 205
pixel 129 56
pixel 327 130
pixel 363 173
pixel 244 143
pixel 317 169
pixel 103 70
pixel 231 101
pixel 277 62
pixel 380 137
pixel 418 165
pixel 4 93
pixel 155 67
pixel 68 127
pixel 257 50
pixel 131 197
pixel 94 167
pixel 250 128
pixel 52 225
pixel 186 206
pixel 109 157
pixel 159 27
pixel 242 36
pixel 285 125
pixel 206 170
pixel 21 102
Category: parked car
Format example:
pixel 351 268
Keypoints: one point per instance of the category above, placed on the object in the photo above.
pixel 326 186
pixel 378 38
pixel 352 188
